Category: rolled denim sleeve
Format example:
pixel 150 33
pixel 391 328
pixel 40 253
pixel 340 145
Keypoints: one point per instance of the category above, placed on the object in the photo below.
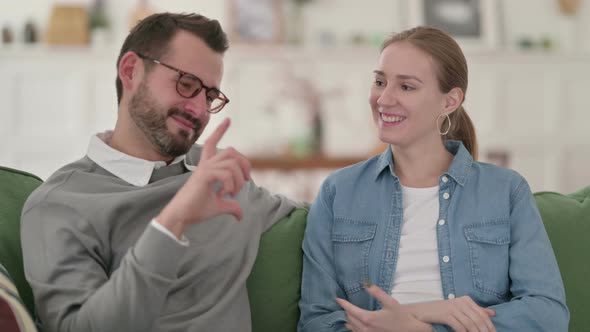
pixel 320 288
pixel 538 295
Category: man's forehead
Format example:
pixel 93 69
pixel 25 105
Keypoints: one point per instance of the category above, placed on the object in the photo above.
pixel 191 54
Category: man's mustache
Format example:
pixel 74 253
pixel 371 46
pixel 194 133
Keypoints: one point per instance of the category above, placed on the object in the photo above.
pixel 185 115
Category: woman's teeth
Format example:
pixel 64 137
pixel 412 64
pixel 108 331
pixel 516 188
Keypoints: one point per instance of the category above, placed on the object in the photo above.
pixel 391 118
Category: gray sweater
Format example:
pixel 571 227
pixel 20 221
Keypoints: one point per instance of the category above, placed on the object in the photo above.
pixel 95 263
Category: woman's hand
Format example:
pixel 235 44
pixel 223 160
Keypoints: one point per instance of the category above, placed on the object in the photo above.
pixel 392 317
pixel 461 314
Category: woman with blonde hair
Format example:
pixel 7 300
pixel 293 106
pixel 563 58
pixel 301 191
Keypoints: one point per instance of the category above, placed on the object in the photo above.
pixel 424 237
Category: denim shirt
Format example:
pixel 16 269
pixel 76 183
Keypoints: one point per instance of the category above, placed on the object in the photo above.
pixel 492 244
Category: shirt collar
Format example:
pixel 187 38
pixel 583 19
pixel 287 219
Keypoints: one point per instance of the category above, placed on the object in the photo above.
pixel 458 170
pixel 384 160
pixel 132 170
pixel 462 161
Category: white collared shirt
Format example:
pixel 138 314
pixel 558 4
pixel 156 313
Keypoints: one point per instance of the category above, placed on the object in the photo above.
pixel 133 170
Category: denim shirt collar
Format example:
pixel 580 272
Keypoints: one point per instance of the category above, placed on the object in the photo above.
pixel 458 171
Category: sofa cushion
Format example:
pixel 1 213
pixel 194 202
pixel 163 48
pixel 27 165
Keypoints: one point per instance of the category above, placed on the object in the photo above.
pixel 15 187
pixel 275 281
pixel 567 221
pixel 14 317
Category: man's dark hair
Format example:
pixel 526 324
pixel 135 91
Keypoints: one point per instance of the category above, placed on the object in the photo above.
pixel 152 35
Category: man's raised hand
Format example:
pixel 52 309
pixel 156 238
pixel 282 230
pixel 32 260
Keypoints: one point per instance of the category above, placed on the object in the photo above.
pixel 210 190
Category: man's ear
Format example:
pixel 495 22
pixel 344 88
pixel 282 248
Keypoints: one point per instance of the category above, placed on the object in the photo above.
pixel 130 69
pixel 453 100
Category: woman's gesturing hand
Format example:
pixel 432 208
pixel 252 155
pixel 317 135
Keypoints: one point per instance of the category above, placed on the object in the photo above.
pixel 392 317
pixel 461 314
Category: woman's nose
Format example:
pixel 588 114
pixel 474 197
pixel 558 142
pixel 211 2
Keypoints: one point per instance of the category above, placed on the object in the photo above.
pixel 388 97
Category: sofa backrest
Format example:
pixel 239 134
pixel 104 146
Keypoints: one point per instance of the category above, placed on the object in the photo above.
pixel 275 281
pixel 567 221
pixel 274 284
pixel 15 187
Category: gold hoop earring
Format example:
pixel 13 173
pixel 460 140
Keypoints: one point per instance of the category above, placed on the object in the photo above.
pixel 438 126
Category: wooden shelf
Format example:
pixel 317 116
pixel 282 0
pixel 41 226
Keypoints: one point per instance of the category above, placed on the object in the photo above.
pixel 290 164
pixel 240 52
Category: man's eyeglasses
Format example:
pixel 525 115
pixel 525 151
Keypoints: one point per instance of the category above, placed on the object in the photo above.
pixel 189 85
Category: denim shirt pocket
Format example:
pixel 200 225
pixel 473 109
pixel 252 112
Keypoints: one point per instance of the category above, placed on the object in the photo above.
pixel 351 240
pixel 489 245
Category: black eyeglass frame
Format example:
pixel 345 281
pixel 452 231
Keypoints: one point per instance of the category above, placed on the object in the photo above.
pixel 181 73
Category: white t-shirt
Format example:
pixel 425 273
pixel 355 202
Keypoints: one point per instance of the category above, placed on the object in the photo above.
pixel 417 276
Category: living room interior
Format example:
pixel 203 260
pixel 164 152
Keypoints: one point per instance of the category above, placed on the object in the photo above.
pixel 298 74
pixel 308 66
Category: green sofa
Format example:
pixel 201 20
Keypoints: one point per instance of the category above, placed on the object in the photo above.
pixel 274 283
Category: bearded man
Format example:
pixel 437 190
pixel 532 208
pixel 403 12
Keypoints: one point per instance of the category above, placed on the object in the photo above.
pixel 141 234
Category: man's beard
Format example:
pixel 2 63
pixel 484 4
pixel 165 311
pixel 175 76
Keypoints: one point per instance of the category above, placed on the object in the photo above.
pixel 150 119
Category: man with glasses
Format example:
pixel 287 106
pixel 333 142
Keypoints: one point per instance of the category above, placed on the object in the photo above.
pixel 149 232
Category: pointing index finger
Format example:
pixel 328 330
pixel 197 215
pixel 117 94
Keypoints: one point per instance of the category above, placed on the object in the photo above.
pixel 211 142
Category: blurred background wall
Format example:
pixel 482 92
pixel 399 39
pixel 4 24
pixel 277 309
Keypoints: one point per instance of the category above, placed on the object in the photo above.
pixel 298 74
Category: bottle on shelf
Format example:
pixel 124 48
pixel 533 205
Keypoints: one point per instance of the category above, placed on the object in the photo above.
pixel 99 24
pixel 98 16
pixel 30 33
pixel 7 35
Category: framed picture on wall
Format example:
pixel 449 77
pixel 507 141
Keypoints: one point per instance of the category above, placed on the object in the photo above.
pixel 256 21
pixel 473 23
